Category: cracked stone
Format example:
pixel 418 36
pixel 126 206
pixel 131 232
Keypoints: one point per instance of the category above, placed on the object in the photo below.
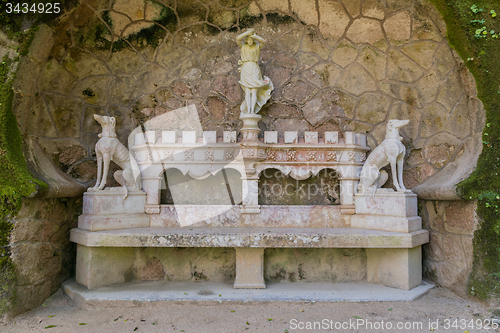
pixel 333 19
pixel 401 68
pixel 373 62
pixel 372 108
pixel 365 30
pixel 314 112
pixel 344 54
pixel 398 27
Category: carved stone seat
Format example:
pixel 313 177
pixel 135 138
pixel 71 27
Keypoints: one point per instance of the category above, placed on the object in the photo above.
pixel 393 258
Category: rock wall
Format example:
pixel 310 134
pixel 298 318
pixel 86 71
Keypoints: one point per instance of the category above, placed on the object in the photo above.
pixel 42 255
pixel 449 254
pixel 336 65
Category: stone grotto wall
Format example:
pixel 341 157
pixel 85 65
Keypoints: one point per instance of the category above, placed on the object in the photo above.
pixel 345 65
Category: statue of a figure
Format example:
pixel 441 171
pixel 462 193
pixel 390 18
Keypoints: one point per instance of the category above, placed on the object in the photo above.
pixel 257 89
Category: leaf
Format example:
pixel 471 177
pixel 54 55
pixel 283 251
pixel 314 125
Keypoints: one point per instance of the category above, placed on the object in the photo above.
pixel 185 293
pixel 52 316
pixel 389 309
pixel 135 329
pixel 270 319
pixel 247 323
pixel 220 295
pixel 357 317
pixel 82 324
pixel 50 326
pixel 118 318
pixel 233 311
pixel 286 331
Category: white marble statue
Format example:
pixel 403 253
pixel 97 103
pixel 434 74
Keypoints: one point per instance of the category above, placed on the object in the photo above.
pixel 390 151
pixel 257 88
pixel 108 149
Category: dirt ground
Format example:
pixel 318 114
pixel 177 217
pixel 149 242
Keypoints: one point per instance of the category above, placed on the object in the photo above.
pixel 438 311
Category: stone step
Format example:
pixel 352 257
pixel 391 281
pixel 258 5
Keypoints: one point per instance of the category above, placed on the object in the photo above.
pixel 150 293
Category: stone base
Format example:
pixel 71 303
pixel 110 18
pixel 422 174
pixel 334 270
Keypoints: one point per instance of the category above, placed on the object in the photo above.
pixel 152 293
pixel 103 266
pixel 386 223
pixel 387 203
pixel 112 201
pixel 249 268
pixel 396 268
pixel 113 222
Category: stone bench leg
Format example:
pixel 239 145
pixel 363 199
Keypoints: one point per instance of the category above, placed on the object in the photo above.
pixel 102 266
pixel 396 268
pixel 249 268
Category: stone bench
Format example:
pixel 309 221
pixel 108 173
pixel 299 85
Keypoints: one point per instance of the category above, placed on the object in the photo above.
pixel 393 258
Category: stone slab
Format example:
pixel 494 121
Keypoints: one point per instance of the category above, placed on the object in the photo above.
pixel 111 222
pixel 387 223
pixel 386 203
pixel 150 293
pixel 250 237
pixel 110 202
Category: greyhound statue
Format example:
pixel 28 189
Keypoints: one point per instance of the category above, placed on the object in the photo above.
pixel 108 149
pixel 390 151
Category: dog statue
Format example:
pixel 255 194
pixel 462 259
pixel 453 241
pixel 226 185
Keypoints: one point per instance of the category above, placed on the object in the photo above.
pixel 108 149
pixel 390 151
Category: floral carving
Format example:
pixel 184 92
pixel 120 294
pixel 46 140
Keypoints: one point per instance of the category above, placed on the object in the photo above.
pixel 189 155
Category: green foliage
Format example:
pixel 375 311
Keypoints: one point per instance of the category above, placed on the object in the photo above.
pixel 474 44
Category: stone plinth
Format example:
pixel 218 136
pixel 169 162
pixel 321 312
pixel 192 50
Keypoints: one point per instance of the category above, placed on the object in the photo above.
pixel 108 209
pixel 249 268
pixel 388 210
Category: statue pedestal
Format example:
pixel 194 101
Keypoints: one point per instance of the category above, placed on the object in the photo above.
pixel 391 211
pixel 108 210
pixel 250 130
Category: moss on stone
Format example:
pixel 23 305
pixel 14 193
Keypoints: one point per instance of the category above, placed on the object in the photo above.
pixel 481 58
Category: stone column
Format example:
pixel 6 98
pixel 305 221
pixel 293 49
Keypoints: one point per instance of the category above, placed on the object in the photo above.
pixel 249 268
pixel 151 186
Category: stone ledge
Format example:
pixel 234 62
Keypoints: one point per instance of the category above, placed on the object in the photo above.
pixel 250 237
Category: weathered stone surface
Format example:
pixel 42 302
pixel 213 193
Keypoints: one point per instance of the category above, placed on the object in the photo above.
pixel 459 123
pixel 372 108
pixel 357 80
pixel 66 114
pixel 422 52
pixel 228 87
pixel 444 60
pixel 435 248
pixel 374 8
pixel 365 30
pixel 434 118
pixel 401 68
pixel 333 19
pixel 39 121
pixel 293 265
pixel 282 125
pixel 307 14
pixel 394 5
pixel 374 62
pixel 280 110
pixel 298 91
pixel 423 26
pixel 452 249
pixel 329 72
pixel 460 218
pixel 348 103
pixel 290 41
pixel 398 27
pixel 55 78
pixel 281 5
pixel 439 155
pixel 181 89
pixel 415 157
pixel 344 54
pixel 451 91
pixel 85 171
pixel 278 75
pixel 311 42
pixel 353 7
pixel 428 87
pixel 314 112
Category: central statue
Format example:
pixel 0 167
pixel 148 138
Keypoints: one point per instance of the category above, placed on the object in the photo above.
pixel 257 89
